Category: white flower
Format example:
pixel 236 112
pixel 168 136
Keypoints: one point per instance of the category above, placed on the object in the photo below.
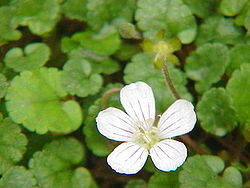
pixel 140 136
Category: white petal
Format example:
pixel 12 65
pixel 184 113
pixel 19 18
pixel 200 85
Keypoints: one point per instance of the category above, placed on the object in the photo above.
pixel 138 101
pixel 127 158
pixel 168 154
pixel 178 119
pixel 115 124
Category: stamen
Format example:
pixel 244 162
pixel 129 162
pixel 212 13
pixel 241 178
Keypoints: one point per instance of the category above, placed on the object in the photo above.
pixel 146 136
pixel 149 122
pixel 140 126
pixel 147 139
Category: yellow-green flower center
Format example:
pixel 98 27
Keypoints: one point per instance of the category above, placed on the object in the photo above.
pixel 147 138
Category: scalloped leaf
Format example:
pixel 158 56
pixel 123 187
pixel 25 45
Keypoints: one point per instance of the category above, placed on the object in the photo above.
pixel 207 64
pixel 137 183
pixel 12 144
pixel 53 166
pixel 160 179
pixel 75 9
pixel 104 11
pixel 95 141
pixel 105 42
pixel 35 99
pixel 154 16
pixel 126 51
pixel 247 19
pixel 243 18
pixel 3 85
pixel 7 28
pixel 128 30
pixel 17 176
pixel 142 68
pixel 78 80
pixel 238 88
pixel 203 171
pixel 239 54
pixel 203 8
pixel 33 56
pixel 215 112
pixel 40 15
pixel 231 7
pixel 99 64
pixel 219 29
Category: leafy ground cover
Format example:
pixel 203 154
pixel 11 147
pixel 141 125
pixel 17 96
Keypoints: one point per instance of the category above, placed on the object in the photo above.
pixel 63 61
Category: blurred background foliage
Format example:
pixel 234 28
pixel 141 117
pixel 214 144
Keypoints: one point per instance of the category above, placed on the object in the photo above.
pixel 62 61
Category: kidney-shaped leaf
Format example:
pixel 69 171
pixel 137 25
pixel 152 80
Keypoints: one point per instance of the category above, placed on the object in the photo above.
pixel 155 16
pixel 203 171
pixel 54 165
pixel 34 56
pixel 36 99
pixel 12 144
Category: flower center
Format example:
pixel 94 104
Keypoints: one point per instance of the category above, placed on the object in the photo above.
pixel 146 137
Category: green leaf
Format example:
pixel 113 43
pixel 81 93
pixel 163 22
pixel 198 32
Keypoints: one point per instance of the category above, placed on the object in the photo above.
pixel 203 8
pixel 34 56
pixel 7 27
pixel 154 16
pixel 105 42
pixel 238 165
pixel 231 7
pixel 94 140
pixel 78 80
pixel 75 9
pixel 238 88
pixel 40 15
pixel 200 171
pixel 36 143
pixel 215 163
pixel 82 179
pixel 149 166
pixel 35 99
pixel 203 171
pixel 97 143
pixel 7 72
pixel 68 44
pixel 141 68
pixel 215 112
pixel 244 13
pixel 103 65
pixel 104 11
pixel 128 31
pixel 233 176
pixel 99 64
pixel 247 19
pixel 161 179
pixel 17 176
pixel 12 144
pixel 3 85
pixel 54 165
pixel 137 183
pixel 219 29
pixel 239 54
pixel 126 51
pixel 207 64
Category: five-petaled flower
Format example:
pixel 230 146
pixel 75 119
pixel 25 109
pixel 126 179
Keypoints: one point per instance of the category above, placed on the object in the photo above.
pixel 140 135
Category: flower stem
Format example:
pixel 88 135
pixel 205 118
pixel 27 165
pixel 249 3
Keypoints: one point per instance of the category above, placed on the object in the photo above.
pixel 187 139
pixel 106 95
pixel 169 81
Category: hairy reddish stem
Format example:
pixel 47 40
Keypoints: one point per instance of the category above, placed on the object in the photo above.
pixel 187 139
pixel 169 81
pixel 106 95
